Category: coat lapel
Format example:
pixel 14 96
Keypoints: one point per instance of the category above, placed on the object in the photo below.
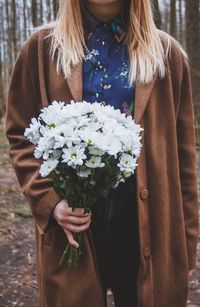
pixel 75 83
pixel 142 92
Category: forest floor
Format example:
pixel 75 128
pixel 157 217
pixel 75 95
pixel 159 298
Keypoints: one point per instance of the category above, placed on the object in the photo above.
pixel 18 285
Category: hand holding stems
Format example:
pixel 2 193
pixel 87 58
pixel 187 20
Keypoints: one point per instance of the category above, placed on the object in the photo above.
pixel 71 222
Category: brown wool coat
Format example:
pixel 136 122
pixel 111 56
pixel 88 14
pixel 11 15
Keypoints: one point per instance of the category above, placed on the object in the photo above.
pixel 166 183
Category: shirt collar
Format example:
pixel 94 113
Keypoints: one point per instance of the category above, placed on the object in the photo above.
pixel 92 24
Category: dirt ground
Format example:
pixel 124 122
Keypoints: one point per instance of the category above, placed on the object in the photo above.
pixel 18 285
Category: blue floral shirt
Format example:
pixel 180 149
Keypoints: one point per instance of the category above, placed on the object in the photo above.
pixel 105 70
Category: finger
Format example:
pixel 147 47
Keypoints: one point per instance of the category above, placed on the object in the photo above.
pixel 71 238
pixel 64 217
pixel 64 221
pixel 77 220
pixel 67 211
pixel 77 229
pixel 78 212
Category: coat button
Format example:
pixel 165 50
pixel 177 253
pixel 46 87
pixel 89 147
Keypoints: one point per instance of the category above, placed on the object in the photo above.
pixel 144 193
pixel 147 251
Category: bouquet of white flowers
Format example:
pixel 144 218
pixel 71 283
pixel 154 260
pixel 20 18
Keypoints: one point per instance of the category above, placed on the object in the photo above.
pixel 87 149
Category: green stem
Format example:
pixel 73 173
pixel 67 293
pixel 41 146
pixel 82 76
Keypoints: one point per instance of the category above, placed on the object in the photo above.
pixel 75 258
pixel 79 251
pixel 65 254
pixel 70 258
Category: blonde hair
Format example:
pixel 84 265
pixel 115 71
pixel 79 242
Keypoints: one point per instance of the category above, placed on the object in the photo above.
pixel 146 52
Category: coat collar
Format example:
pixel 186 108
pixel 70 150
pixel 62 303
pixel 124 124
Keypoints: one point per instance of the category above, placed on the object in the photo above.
pixel 142 92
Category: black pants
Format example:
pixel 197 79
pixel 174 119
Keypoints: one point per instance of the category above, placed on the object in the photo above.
pixel 115 235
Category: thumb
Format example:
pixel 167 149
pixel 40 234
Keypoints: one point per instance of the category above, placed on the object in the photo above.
pixel 71 238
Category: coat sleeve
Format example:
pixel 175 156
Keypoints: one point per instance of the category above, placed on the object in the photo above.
pixel 23 103
pixel 187 165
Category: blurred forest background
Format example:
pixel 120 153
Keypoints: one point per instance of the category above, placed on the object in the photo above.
pixel 18 287
pixel 180 18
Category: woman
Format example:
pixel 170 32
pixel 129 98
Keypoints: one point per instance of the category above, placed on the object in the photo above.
pixel 93 41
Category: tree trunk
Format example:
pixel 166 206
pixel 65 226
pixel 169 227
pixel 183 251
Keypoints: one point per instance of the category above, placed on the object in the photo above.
pixel 157 16
pixel 55 8
pixel 48 13
pixel 180 21
pixel 8 40
pixel 173 31
pixel 34 13
pixel 193 44
pixel 1 58
pixel 41 11
pixel 24 19
pixel 13 28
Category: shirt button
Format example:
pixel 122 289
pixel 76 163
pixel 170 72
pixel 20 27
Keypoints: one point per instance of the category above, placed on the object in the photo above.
pixel 144 194
pixel 147 252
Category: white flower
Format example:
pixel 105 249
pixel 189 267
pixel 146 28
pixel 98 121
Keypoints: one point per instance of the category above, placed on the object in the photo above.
pixel 44 148
pixel 48 166
pixel 76 110
pixel 57 154
pixel 33 132
pixel 82 122
pixel 51 115
pixel 136 146
pixel 74 156
pixel 94 162
pixel 127 174
pixel 84 172
pixel 127 164
pixel 130 140
pixel 60 141
pixel 94 151
pixel 44 130
pixel 110 126
pixel 130 124
pixel 101 117
pixel 88 136
pixel 66 136
pixel 109 144
pixel 108 113
pixel 119 180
